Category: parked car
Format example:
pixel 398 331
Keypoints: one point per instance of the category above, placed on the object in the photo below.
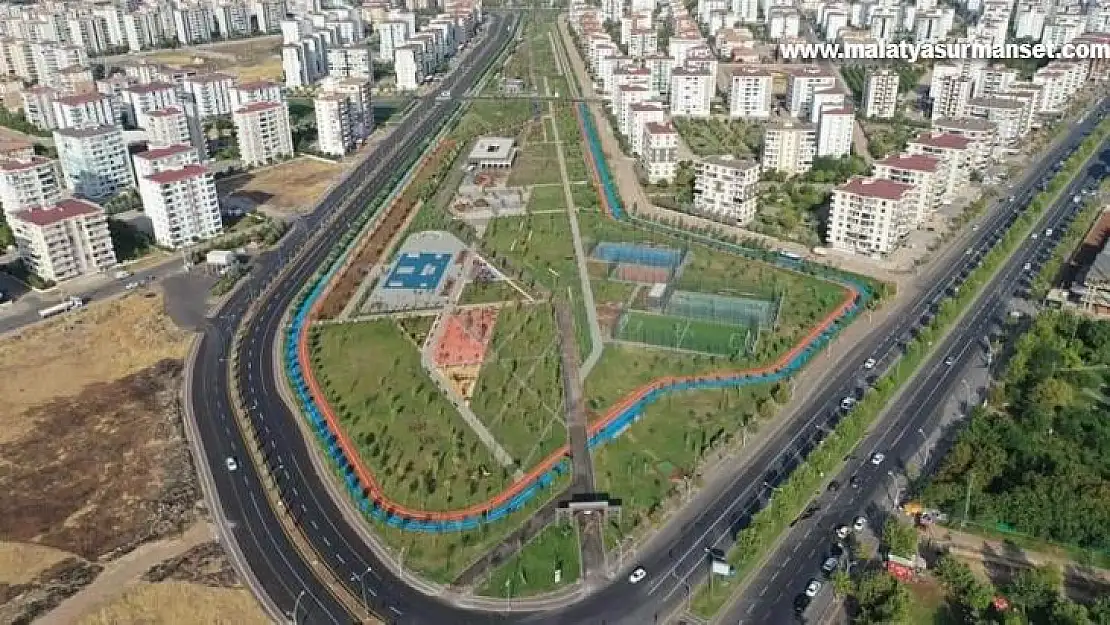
pixel 638 574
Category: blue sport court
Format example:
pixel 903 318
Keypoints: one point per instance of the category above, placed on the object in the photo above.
pixel 419 272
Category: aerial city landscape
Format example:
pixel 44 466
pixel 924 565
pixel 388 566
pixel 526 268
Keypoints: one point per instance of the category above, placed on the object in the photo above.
pixel 581 312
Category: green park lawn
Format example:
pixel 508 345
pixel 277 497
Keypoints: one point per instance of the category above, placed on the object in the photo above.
pixel 532 570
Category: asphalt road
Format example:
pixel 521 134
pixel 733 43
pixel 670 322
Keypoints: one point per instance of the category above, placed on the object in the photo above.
pixel 676 560
pixel 911 419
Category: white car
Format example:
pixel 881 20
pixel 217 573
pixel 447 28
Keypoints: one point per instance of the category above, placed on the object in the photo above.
pixel 859 524
pixel 847 403
pixel 131 286
pixel 812 588
pixel 842 532
pixel 232 463
pixel 1027 266
pixel 637 575
pixel 877 458
pixel 870 364
pixel 830 565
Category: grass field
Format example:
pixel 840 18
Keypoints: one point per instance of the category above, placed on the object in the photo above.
pixel 519 394
pixel 611 290
pixel 548 198
pixel 442 557
pixel 408 433
pixel 532 570
pixel 684 333
pixel 648 463
pixel 536 163
pixel 486 292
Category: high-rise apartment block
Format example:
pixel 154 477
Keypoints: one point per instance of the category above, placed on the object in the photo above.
pixel 264 132
pixel 94 161
pixel 63 240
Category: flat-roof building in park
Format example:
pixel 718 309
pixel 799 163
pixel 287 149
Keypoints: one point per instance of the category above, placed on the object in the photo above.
pixel 493 152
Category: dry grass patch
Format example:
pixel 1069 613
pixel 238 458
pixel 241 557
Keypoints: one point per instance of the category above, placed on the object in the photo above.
pixel 20 563
pixel 288 188
pixel 100 344
pixel 179 603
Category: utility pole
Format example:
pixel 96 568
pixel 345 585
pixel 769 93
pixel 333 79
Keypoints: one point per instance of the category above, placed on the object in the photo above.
pixel 967 499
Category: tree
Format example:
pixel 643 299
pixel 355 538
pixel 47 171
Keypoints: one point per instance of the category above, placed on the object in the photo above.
pixel 1067 612
pixel 6 237
pixel 969 596
pixel 880 598
pixel 684 182
pixel 899 538
pixel 1035 591
pixel 842 583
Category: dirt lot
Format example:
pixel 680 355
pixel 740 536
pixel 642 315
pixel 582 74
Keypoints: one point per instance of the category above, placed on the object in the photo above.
pixel 282 190
pixel 94 457
pixel 168 602
pixel 254 59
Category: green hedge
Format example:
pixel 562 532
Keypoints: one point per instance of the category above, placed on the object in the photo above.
pixel 794 494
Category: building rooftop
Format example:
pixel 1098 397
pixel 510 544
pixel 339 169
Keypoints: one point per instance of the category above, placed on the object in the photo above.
pixel 945 140
pixel 166 112
pixel 747 70
pixel 213 77
pixel 60 211
pixel 972 124
pixel 920 162
pixel 728 160
pixel 661 128
pixel 93 131
pixel 78 99
pixel 255 107
pixel 995 103
pixel 149 87
pixel 493 148
pixel 876 188
pixel 11 164
pixel 169 150
pixel 171 176
pixel 255 85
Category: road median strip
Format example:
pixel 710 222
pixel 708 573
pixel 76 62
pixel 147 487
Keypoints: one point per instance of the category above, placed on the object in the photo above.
pixel 755 542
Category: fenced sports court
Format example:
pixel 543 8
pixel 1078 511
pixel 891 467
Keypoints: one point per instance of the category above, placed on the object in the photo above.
pixel 722 309
pixel 685 333
pixel 633 262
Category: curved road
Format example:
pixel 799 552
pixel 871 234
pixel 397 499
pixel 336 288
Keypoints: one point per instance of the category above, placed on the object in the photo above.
pixel 280 572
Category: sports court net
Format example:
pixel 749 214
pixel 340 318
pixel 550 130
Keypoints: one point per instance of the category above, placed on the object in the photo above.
pixel 721 309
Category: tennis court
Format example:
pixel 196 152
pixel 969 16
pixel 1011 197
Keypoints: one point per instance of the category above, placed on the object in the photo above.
pixel 634 254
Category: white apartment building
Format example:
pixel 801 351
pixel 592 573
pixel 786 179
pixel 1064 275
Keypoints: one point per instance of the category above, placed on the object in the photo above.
pixel 627 95
pixel 801 86
pixel 27 182
pixel 880 94
pixel 392 34
pixel 165 158
pixel 94 161
pixel 351 61
pixel 84 109
pixel 956 158
pixel 173 125
pixel 783 22
pixel 642 42
pixel 304 62
pixel 344 116
pixel 659 67
pixel 789 147
pixel 870 216
pixel 38 107
pixel 832 97
pixel 264 132
pixel 923 173
pixel 750 93
pixel 1055 90
pixel 982 133
pixel 142 99
pixel 192 24
pixel 182 205
pixel 994 80
pixel 643 113
pixel 691 92
pixel 63 240
pixel 725 188
pixel 951 97
pixel 408 64
pixel 246 93
pixel 835 128
pixel 211 92
pixel 1029 21
pixel 660 151
pixel 1009 116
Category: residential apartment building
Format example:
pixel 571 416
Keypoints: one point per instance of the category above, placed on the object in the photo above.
pixel 956 158
pixel 789 147
pixel 344 116
pixel 643 113
pixel 94 161
pixel 659 67
pixel 63 240
pixel 182 204
pixel 82 110
pixel 750 93
pixel 38 107
pixel 173 125
pixel 802 84
pixel 351 61
pixel 870 216
pixel 982 133
pixel 660 152
pixel 144 98
pixel 1010 116
pixel 880 94
pixel 27 182
pixel 951 96
pixel 691 92
pixel 246 93
pixel 725 188
pixel 264 132
pixel 211 92
pixel 835 127
pixel 408 65
pixel 923 173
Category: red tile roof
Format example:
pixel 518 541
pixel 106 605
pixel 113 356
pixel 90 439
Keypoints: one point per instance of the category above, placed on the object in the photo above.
pixel 657 128
pixel 149 87
pixel 166 112
pixel 920 162
pixel 255 107
pixel 60 211
pixel 177 175
pixel 11 164
pixel 170 150
pixel 876 188
pixel 943 140
pixel 80 98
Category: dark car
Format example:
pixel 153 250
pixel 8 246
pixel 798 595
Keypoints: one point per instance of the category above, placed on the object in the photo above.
pixel 801 602
pixel 834 486
pixel 854 481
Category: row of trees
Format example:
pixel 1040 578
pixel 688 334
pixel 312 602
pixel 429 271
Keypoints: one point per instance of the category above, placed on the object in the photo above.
pixel 1040 465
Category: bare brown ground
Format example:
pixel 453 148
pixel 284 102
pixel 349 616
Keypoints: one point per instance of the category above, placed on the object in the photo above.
pixel 253 59
pixel 290 188
pixel 174 603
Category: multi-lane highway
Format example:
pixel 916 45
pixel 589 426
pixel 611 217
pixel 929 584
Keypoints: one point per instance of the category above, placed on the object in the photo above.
pixel 771 594
pixel 290 584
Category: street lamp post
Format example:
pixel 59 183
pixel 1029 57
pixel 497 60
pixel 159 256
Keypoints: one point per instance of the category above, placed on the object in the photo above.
pixel 509 594
pixel 296 605
pixel 924 448
pixel 361 579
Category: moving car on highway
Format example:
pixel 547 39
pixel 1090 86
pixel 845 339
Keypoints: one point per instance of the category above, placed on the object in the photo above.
pixel 638 574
